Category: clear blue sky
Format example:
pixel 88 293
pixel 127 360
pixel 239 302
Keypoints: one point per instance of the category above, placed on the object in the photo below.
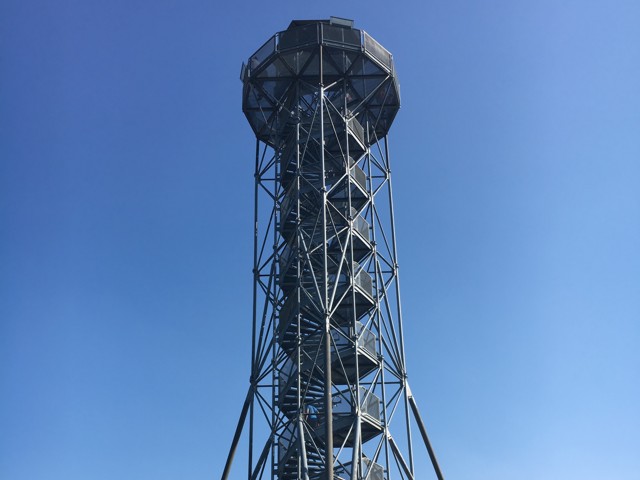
pixel 125 232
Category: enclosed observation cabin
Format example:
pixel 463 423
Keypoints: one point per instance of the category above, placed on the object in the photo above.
pixel 281 80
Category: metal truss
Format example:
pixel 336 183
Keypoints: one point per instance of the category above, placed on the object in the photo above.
pixel 328 376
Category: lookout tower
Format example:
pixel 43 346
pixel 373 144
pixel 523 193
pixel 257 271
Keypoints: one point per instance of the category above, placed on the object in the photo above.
pixel 328 397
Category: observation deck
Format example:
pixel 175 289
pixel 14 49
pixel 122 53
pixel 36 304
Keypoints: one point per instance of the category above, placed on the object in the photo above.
pixel 294 54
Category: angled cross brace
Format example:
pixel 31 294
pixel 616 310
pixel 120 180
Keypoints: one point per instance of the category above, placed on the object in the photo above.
pixel 399 457
pixel 423 432
pixel 303 449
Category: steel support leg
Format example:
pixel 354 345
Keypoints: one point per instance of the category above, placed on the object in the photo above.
pixel 236 436
pixel 425 437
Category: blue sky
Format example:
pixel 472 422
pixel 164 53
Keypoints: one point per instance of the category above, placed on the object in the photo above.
pixel 125 232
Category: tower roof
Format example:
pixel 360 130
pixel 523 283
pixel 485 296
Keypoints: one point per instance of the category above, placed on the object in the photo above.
pixel 338 21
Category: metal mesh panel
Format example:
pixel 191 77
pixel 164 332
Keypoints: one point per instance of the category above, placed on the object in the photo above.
pixel 372 471
pixel 361 225
pixel 376 50
pixel 297 37
pixel 340 36
pixel 369 404
pixel 367 341
pixel 357 130
pixel 359 176
pixel 364 282
pixel 263 53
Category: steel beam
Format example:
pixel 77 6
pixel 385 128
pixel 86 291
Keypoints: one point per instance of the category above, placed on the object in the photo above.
pixel 423 432
pixel 236 436
pixel 400 458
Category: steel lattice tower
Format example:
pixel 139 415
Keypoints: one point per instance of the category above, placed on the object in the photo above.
pixel 328 396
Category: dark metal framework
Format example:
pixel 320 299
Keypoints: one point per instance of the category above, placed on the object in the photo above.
pixel 328 374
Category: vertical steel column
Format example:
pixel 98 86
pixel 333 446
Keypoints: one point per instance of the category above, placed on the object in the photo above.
pixel 328 398
pixel 298 234
pixel 378 279
pixel 397 285
pixel 256 275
